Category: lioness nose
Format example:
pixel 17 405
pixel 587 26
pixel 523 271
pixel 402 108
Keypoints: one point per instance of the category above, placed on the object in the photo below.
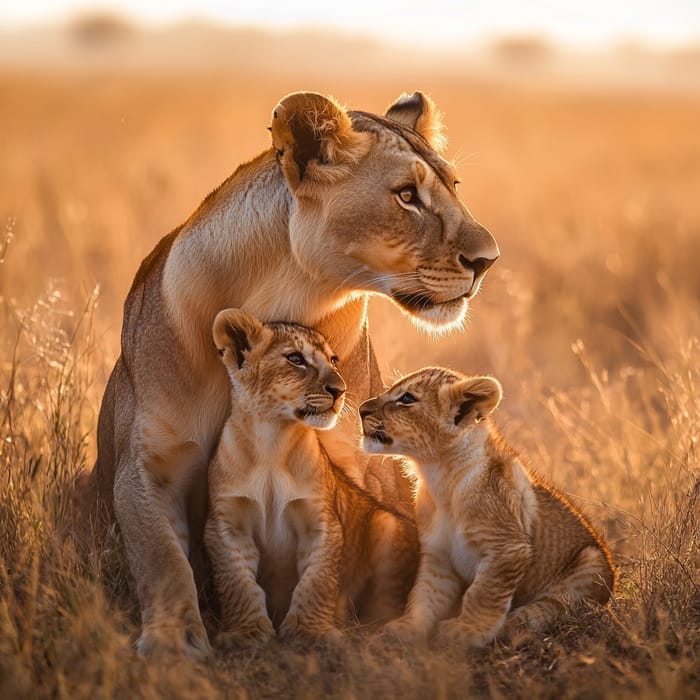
pixel 478 266
pixel 335 391
pixel 479 252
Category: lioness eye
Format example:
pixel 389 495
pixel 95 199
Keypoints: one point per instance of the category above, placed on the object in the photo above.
pixel 409 195
pixel 296 358
pixel 334 361
pixel 407 399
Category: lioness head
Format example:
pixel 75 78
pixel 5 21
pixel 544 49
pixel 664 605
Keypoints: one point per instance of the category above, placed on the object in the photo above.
pixel 377 208
pixel 426 412
pixel 280 370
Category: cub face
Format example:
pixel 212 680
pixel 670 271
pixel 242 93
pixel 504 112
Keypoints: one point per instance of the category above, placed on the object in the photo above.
pixel 426 412
pixel 280 370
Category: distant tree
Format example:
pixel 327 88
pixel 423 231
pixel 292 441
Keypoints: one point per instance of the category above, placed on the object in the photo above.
pixel 98 28
pixel 526 49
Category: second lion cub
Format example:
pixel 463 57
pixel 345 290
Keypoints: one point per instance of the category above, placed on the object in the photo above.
pixel 293 542
pixel 513 549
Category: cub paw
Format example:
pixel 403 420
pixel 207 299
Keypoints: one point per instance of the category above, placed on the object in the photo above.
pixel 292 631
pixel 254 633
pixel 517 630
pixel 455 633
pixel 405 631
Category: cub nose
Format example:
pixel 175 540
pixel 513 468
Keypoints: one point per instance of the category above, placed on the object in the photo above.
pixel 367 408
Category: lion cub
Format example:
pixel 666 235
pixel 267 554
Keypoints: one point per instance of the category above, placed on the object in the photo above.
pixel 290 537
pixel 512 548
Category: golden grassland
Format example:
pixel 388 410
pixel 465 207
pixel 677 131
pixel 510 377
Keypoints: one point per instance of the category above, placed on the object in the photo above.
pixel 591 319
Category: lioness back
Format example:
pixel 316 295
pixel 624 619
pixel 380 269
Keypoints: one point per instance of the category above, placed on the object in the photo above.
pixel 492 534
pixel 295 545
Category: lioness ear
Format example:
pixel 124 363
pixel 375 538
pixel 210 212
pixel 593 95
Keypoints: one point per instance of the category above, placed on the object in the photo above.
pixel 237 331
pixel 474 398
pixel 314 139
pixel 419 112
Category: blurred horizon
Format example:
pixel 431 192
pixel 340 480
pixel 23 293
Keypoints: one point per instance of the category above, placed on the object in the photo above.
pixel 104 39
pixel 446 26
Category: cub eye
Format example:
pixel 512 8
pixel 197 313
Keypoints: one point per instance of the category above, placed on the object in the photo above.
pixel 296 358
pixel 334 361
pixel 407 399
pixel 409 195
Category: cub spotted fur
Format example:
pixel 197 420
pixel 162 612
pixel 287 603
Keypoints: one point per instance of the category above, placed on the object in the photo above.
pixel 292 540
pixel 512 548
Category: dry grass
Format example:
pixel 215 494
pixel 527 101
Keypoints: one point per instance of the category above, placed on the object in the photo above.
pixel 591 319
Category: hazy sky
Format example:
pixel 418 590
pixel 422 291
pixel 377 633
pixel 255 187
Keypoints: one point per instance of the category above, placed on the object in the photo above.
pixel 437 22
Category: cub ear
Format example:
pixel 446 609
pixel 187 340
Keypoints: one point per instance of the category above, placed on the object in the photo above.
pixel 419 112
pixel 237 331
pixel 473 399
pixel 314 139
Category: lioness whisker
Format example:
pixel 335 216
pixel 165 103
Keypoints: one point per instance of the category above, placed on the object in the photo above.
pixel 383 277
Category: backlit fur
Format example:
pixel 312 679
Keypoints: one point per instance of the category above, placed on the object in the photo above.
pixel 500 548
pixel 304 232
pixel 294 544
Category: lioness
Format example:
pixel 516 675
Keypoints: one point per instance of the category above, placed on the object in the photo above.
pixel 486 524
pixel 292 541
pixel 344 204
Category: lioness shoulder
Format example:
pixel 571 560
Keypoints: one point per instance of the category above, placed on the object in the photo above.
pixel 485 523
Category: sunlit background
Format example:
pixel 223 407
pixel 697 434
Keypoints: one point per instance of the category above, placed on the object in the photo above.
pixel 647 44
pixel 440 24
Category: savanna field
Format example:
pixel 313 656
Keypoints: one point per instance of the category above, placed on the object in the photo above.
pixel 590 319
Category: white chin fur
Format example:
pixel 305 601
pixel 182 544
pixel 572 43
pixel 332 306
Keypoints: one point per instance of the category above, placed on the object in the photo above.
pixel 322 421
pixel 442 318
pixel 372 446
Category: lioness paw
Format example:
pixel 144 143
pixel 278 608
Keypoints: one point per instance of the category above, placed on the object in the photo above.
pixel 163 642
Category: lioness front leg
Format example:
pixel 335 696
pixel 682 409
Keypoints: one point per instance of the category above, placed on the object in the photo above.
pixel 311 615
pixel 235 559
pixel 153 524
pixel 435 593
